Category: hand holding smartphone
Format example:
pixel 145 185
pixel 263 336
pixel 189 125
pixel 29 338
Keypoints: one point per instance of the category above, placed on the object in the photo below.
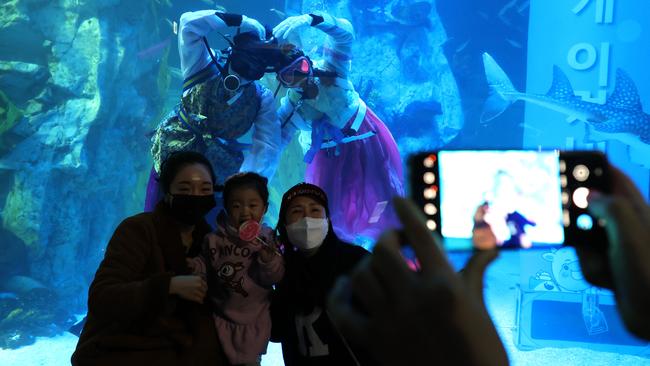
pixel 511 199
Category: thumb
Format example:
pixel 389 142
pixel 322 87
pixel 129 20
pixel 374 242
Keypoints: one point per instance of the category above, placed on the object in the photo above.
pixel 261 31
pixel 474 271
pixel 599 204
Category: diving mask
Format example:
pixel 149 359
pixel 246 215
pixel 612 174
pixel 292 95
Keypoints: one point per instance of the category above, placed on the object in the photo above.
pixel 294 73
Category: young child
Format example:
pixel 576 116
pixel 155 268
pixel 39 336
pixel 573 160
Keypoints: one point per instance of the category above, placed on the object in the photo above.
pixel 240 272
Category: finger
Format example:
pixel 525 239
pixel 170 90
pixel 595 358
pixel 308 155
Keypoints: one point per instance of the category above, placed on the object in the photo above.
pixel 196 297
pixel 475 270
pixel 623 225
pixel 366 288
pixel 285 32
pixel 348 321
pixel 624 186
pixel 595 267
pixel 388 265
pixel 289 27
pixel 279 30
pixel 290 30
pixel 425 245
pixel 261 31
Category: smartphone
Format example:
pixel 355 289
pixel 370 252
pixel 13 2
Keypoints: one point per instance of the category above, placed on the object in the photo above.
pixel 510 199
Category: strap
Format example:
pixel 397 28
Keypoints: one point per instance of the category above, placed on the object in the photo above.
pixel 361 114
pixel 184 117
pixel 345 140
pixel 207 73
pixel 293 113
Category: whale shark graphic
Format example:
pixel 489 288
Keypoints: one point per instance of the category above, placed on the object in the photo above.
pixel 620 118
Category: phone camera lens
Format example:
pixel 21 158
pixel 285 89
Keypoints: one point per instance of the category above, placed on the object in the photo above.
pixel 584 222
pixel 430 209
pixel 598 172
pixel 580 197
pixel 581 173
pixel 430 193
pixel 429 178
pixel 429 161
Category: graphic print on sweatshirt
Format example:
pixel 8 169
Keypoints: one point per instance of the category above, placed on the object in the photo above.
pixel 227 273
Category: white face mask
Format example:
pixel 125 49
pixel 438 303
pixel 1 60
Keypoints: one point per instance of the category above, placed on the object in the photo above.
pixel 308 232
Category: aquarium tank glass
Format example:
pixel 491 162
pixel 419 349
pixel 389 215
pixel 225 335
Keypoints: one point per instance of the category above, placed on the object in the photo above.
pixel 84 85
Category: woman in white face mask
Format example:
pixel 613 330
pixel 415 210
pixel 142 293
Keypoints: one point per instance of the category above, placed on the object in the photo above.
pixel 314 258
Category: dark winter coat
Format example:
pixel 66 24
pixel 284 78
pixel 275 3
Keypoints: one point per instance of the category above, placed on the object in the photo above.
pixel 132 319
pixel 298 312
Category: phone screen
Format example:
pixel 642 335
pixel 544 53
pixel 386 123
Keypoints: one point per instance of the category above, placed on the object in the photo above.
pixel 518 193
pixel 510 199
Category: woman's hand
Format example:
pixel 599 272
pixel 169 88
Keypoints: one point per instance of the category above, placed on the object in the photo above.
pixel 623 266
pixel 252 25
pixel 402 317
pixel 290 25
pixel 482 235
pixel 192 288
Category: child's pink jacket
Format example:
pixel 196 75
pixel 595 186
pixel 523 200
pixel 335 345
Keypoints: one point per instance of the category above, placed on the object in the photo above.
pixel 244 281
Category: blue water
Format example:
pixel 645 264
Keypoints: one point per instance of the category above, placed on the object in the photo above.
pixel 83 84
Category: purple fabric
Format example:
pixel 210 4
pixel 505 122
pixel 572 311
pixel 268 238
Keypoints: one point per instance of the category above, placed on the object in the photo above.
pixel 153 194
pixel 365 173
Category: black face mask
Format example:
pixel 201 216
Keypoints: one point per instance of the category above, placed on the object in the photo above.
pixel 190 209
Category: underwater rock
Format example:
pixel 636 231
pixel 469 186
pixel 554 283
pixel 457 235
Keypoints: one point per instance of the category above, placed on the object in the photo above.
pixel 20 80
pixel 418 119
pixel 13 257
pixel 74 66
pixel 19 39
pixel 396 13
pixel 81 148
pixel 9 114
pixel 416 62
pixel 20 213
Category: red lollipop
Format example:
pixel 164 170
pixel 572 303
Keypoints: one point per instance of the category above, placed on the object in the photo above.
pixel 249 230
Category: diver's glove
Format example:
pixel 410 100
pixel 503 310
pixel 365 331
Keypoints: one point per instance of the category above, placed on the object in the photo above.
pixel 289 25
pixel 245 23
pixel 252 25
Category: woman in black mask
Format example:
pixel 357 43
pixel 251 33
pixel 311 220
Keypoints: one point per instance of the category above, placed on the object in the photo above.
pixel 144 306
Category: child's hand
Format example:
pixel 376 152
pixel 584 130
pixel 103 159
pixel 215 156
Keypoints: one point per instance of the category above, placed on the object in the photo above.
pixel 268 252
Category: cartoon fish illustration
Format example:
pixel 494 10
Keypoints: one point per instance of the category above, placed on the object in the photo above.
pixel 621 118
